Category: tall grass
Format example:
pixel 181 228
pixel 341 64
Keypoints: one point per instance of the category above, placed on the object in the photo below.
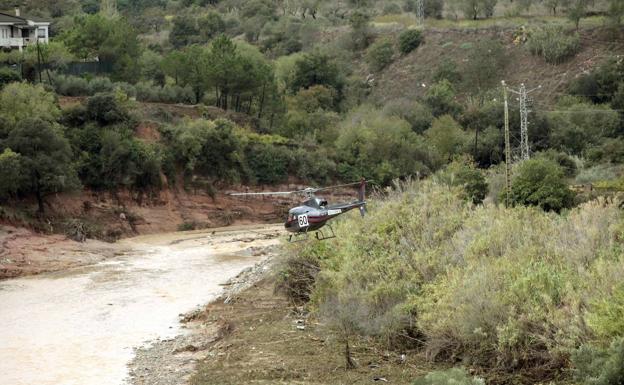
pixel 507 291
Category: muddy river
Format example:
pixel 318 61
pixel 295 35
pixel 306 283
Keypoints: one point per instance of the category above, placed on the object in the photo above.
pixel 80 326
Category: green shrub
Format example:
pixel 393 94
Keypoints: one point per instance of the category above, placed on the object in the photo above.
pixel 447 70
pixel 503 290
pixel 440 97
pixel 268 163
pixel 463 173
pixel 8 76
pixel 596 366
pixel 453 376
pixel 379 55
pixel 187 226
pixel 100 85
pixel 416 114
pixel 565 161
pixel 106 109
pixel 410 40
pixel 391 8
pixel 554 44
pixel 606 315
pixel 71 86
pixel 540 182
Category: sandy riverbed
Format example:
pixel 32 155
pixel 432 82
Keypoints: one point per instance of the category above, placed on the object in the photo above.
pixel 81 325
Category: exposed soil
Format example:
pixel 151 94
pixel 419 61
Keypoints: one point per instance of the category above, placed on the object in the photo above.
pixel 256 336
pixel 23 252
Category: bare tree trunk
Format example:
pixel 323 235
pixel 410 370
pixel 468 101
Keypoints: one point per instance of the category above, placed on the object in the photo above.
pixel 40 208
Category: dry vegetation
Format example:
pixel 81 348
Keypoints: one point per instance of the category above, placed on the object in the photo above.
pixel 511 293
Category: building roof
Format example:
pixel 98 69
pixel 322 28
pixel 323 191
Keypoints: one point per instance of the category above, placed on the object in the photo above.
pixel 9 17
pixel 6 18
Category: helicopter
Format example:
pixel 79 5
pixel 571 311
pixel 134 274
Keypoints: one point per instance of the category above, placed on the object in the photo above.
pixel 314 213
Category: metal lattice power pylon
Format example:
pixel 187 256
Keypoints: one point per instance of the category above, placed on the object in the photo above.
pixel 525 151
pixel 524 124
pixel 420 12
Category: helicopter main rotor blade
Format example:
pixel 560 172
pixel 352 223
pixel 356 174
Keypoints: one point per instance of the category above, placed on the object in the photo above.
pixel 265 193
pixel 338 186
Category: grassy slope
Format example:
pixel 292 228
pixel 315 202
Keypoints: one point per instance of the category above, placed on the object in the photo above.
pixel 404 77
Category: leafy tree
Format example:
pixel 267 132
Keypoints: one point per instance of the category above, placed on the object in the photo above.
pixel 360 29
pixel 379 55
pixel 109 40
pixel 416 114
pixel 12 176
pixel 46 158
pixel 105 109
pixel 184 31
pixel 207 148
pixel 313 99
pixel 316 69
pixel 21 101
pixel 474 8
pixel 577 9
pixel 554 5
pixel 579 125
pixel 55 54
pixel 540 182
pixel 447 70
pixel 127 162
pixel 616 11
pixel 172 64
pixel 152 67
pixel 447 136
pixel 211 26
pixel 440 97
pixel 486 63
pixel 434 8
pixel 373 145
pixel 410 40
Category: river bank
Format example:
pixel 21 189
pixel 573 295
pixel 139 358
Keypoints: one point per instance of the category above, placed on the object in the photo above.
pixel 80 326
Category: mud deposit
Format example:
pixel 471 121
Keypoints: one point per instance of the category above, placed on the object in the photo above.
pixel 81 326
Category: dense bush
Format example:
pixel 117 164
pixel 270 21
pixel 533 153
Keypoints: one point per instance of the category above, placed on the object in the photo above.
pixel 416 114
pixel 410 40
pixel 504 290
pixel 463 173
pixel 554 44
pixel 269 163
pixel 71 85
pixel 105 109
pixel 8 76
pixel 379 55
pixel 440 98
pixel 540 182
pixel 381 148
pixel 597 366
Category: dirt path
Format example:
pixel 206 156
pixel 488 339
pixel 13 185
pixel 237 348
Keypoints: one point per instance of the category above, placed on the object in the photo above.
pixel 80 326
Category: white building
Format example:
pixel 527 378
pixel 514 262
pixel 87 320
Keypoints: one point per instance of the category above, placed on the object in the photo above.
pixel 17 31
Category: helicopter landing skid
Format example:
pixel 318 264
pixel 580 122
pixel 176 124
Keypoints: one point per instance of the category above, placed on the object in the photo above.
pixel 321 236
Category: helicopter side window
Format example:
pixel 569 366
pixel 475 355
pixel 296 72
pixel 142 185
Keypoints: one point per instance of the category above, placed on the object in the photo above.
pixel 322 203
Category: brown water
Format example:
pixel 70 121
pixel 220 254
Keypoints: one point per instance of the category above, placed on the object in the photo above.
pixel 80 326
